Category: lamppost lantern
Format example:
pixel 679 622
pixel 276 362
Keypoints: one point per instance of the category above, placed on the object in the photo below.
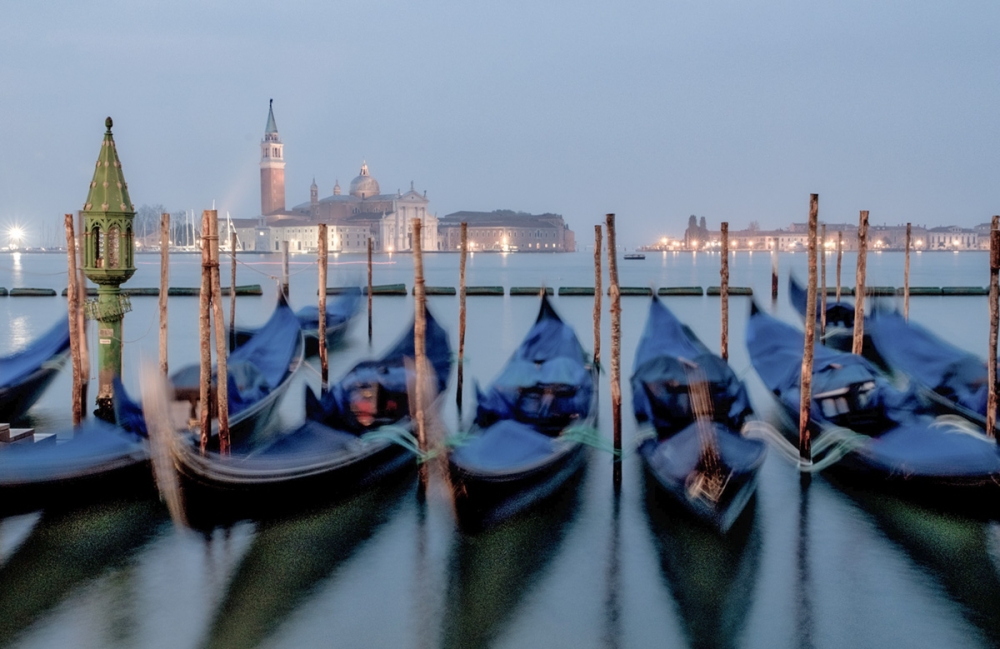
pixel 108 253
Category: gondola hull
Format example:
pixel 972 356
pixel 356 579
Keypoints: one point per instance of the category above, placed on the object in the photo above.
pixel 903 450
pixel 24 375
pixel 521 449
pixel 484 498
pixel 672 465
pixel 100 462
pixel 327 466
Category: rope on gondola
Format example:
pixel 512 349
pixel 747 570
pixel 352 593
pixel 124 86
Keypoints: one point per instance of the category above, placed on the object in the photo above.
pixel 591 437
pixel 839 441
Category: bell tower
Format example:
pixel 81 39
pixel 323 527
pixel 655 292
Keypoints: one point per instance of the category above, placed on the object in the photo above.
pixel 272 167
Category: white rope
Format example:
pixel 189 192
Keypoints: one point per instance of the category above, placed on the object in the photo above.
pixel 843 441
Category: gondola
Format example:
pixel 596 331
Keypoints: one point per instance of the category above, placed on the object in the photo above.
pixel 525 442
pixel 839 315
pixel 701 459
pixel 338 316
pixel 888 438
pixel 98 461
pixel 25 374
pixel 355 434
pixel 259 373
pixel 954 379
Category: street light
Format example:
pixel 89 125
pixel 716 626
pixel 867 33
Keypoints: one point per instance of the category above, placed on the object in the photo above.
pixel 14 236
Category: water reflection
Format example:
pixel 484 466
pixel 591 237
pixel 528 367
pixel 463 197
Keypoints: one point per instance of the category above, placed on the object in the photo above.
pixel 804 626
pixel 955 550
pixel 491 572
pixel 67 550
pixel 289 559
pixel 711 576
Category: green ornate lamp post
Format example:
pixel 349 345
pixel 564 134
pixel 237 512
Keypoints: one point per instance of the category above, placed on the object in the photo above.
pixel 107 261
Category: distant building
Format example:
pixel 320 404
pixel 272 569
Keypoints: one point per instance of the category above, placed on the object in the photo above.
pixel 353 218
pixel 506 230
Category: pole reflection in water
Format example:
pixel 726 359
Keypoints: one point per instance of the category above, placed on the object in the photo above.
pixel 66 551
pixel 492 571
pixel 289 559
pixel 711 576
pixel 612 600
pixel 960 553
pixel 804 626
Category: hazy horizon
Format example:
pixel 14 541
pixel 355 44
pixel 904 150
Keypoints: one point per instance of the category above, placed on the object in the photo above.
pixel 652 111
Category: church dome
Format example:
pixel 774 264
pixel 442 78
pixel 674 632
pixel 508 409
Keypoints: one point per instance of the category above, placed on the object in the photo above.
pixel 364 186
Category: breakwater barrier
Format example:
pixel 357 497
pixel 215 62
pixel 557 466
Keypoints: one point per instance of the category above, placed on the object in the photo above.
pixel 566 291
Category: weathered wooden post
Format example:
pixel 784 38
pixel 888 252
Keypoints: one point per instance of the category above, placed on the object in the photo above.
pixel 805 397
pixel 840 258
pixel 74 329
pixel 724 292
pixel 108 262
pixel 284 269
pixel 461 316
pixel 205 335
pixel 906 277
pixel 232 290
pixel 991 358
pixel 419 345
pixel 616 317
pixel 323 264
pixel 81 315
pixel 859 288
pixel 597 295
pixel 822 282
pixel 164 287
pixel 370 290
pixel 774 268
pixel 222 370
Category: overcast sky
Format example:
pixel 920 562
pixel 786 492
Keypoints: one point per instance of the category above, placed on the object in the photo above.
pixel 653 110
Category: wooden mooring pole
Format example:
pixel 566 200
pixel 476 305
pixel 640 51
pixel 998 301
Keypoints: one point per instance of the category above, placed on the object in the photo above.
pixel 822 281
pixel 616 331
pixel 859 284
pixel 461 317
pixel 906 277
pixel 74 328
pixel 369 290
pixel 840 258
pixel 991 358
pixel 324 367
pixel 81 316
pixel 222 370
pixel 284 269
pixel 205 335
pixel 724 292
pixel 805 397
pixel 164 288
pixel 598 289
pixel 232 290
pixel 774 269
pixel 419 345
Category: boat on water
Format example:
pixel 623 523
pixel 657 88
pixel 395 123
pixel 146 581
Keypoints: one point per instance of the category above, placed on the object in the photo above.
pixel 526 440
pixel 693 407
pixel 877 434
pixel 954 379
pixel 839 315
pixel 633 255
pixel 259 373
pixel 25 374
pixel 339 313
pixel 355 434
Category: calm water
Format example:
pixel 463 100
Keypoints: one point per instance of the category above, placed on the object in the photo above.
pixel 827 569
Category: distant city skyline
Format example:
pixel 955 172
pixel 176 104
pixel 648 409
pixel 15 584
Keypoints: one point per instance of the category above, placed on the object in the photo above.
pixel 655 112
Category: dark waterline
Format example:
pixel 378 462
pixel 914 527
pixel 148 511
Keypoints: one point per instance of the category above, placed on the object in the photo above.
pixel 827 567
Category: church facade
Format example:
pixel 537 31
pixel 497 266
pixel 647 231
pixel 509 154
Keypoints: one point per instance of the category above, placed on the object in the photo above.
pixel 351 219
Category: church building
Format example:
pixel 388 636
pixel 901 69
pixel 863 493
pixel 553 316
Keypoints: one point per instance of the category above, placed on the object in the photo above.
pixel 352 218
